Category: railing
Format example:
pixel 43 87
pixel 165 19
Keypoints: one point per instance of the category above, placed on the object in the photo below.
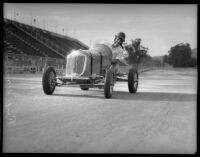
pixel 54 47
pixel 21 69
pixel 60 61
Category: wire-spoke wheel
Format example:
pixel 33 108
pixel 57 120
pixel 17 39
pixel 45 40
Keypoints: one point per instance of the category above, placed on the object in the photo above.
pixel 109 84
pixel 49 80
pixel 133 80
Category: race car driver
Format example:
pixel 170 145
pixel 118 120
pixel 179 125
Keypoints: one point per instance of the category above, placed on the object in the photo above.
pixel 119 53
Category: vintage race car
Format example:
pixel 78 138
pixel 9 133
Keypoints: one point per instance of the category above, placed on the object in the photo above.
pixel 89 69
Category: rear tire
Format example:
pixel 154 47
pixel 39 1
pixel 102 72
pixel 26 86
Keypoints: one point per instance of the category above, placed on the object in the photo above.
pixel 84 88
pixel 49 81
pixel 109 84
pixel 133 80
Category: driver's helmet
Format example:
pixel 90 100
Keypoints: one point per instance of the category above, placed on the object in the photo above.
pixel 121 35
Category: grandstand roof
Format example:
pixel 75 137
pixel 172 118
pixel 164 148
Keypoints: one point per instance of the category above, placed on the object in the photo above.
pixel 66 37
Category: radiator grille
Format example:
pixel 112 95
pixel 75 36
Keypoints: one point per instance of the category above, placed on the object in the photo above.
pixel 75 64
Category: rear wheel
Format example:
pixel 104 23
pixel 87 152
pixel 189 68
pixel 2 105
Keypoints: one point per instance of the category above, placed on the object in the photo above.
pixel 49 81
pixel 84 88
pixel 109 84
pixel 133 80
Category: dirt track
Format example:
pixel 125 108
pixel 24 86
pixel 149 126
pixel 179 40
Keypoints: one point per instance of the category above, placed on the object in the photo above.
pixel 159 118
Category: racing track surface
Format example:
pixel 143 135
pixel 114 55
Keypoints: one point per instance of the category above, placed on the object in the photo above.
pixel 159 118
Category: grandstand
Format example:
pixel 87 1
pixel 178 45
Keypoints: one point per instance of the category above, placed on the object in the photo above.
pixel 29 48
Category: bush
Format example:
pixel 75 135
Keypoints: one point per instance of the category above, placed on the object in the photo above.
pixel 180 56
pixel 136 54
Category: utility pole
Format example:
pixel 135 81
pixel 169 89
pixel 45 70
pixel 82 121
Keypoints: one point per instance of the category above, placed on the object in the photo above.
pixel 14 14
pixel 31 19
pixel 63 31
pixel 17 16
pixel 44 23
pixel 74 33
pixel 34 22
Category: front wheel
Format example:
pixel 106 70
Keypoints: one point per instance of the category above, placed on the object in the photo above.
pixel 49 81
pixel 109 84
pixel 132 81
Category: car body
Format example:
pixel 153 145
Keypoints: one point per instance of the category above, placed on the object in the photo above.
pixel 88 69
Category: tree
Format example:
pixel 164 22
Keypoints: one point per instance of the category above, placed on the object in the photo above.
pixel 165 59
pixel 180 56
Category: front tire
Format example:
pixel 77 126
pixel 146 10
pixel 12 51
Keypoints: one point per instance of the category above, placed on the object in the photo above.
pixel 109 84
pixel 132 81
pixel 49 81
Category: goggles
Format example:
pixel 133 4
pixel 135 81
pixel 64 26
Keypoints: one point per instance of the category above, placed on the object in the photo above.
pixel 119 38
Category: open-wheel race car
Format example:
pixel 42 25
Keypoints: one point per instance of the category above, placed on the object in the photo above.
pixel 89 69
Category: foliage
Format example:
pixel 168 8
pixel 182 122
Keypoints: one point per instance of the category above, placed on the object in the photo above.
pixel 136 53
pixel 180 56
pixel 165 58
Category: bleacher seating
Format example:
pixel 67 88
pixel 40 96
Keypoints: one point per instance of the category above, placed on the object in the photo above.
pixel 63 42
pixel 31 40
pixel 25 45
pixel 10 48
pixel 54 40
pixel 46 42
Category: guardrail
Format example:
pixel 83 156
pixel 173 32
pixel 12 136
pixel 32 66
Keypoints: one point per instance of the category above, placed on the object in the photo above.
pixel 20 69
pixel 28 69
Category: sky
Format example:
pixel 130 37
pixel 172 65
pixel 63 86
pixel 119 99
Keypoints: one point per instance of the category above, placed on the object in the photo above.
pixel 160 26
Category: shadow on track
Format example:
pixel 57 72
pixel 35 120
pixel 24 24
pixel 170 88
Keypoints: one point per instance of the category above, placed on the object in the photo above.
pixel 143 96
pixel 80 96
pixel 147 96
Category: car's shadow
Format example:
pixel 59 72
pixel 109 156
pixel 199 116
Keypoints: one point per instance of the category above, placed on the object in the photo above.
pixel 143 96
pixel 86 94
